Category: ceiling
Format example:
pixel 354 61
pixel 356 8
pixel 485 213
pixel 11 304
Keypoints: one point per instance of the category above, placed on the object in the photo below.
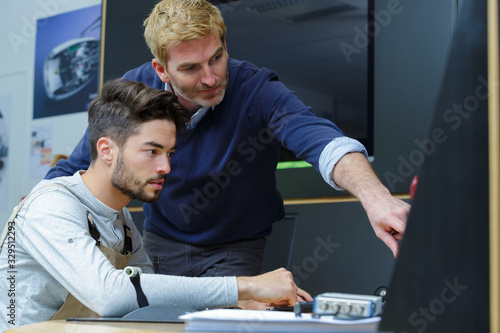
pixel 301 40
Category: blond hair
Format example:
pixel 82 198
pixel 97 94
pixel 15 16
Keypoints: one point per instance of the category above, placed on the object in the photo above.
pixel 175 21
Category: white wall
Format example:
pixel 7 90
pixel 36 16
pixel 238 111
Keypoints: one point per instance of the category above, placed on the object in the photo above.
pixel 18 20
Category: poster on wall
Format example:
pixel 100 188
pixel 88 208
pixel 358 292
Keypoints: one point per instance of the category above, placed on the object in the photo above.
pixel 41 151
pixel 5 105
pixel 67 57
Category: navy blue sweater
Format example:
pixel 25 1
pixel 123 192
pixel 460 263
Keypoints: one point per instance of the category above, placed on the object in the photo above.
pixel 222 186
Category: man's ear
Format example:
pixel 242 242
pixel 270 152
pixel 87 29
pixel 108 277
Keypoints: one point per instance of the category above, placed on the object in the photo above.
pixel 105 149
pixel 160 70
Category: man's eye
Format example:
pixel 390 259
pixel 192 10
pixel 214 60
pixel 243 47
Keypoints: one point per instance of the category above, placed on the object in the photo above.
pixel 152 152
pixel 170 154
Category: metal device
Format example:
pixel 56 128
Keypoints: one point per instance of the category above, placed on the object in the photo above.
pixel 347 305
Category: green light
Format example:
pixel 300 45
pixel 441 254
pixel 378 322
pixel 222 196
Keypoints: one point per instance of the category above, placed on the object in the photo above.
pixel 293 165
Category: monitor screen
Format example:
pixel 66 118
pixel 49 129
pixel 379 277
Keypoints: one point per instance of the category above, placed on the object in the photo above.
pixel 320 49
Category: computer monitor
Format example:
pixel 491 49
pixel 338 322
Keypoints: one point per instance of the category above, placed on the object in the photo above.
pixel 441 277
pixel 323 51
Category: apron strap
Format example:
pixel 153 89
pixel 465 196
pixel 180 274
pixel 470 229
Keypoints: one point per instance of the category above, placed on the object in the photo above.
pixel 96 235
pixel 128 248
pixel 94 232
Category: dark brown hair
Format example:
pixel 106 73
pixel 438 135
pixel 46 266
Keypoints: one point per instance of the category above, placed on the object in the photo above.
pixel 124 105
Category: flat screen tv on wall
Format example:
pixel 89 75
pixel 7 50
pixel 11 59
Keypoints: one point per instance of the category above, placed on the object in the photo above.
pixel 323 51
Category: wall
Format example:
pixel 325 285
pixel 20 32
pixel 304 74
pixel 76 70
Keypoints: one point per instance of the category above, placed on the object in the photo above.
pixel 18 21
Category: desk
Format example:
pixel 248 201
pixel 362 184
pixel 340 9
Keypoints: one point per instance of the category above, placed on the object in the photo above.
pixel 63 326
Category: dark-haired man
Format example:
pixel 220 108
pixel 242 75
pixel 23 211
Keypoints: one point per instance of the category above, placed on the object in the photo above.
pixel 72 237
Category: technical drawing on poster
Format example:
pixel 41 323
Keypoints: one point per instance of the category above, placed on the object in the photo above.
pixel 67 58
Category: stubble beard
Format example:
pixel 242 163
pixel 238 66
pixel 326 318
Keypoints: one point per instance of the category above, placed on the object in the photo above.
pixel 204 102
pixel 123 180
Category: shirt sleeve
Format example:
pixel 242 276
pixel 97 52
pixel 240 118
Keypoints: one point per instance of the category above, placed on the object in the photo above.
pixel 333 152
pixel 53 230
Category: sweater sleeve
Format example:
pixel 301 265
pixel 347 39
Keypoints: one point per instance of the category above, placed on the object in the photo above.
pixel 53 230
pixel 293 123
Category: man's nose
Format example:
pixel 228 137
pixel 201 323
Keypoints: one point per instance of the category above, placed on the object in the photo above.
pixel 207 76
pixel 163 166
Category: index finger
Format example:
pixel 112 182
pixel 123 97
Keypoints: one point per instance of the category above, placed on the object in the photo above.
pixel 390 241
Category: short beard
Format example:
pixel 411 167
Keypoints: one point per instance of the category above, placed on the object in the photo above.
pixel 122 178
pixel 200 101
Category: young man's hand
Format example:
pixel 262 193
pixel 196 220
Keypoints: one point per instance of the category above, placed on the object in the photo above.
pixel 275 288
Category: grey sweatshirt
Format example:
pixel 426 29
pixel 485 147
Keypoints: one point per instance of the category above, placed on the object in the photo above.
pixel 49 253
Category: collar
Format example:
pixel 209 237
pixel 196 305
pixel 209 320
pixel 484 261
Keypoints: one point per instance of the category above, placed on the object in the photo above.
pixel 197 116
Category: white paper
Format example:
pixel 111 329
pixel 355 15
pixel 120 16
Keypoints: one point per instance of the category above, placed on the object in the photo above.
pixel 41 151
pixel 235 320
